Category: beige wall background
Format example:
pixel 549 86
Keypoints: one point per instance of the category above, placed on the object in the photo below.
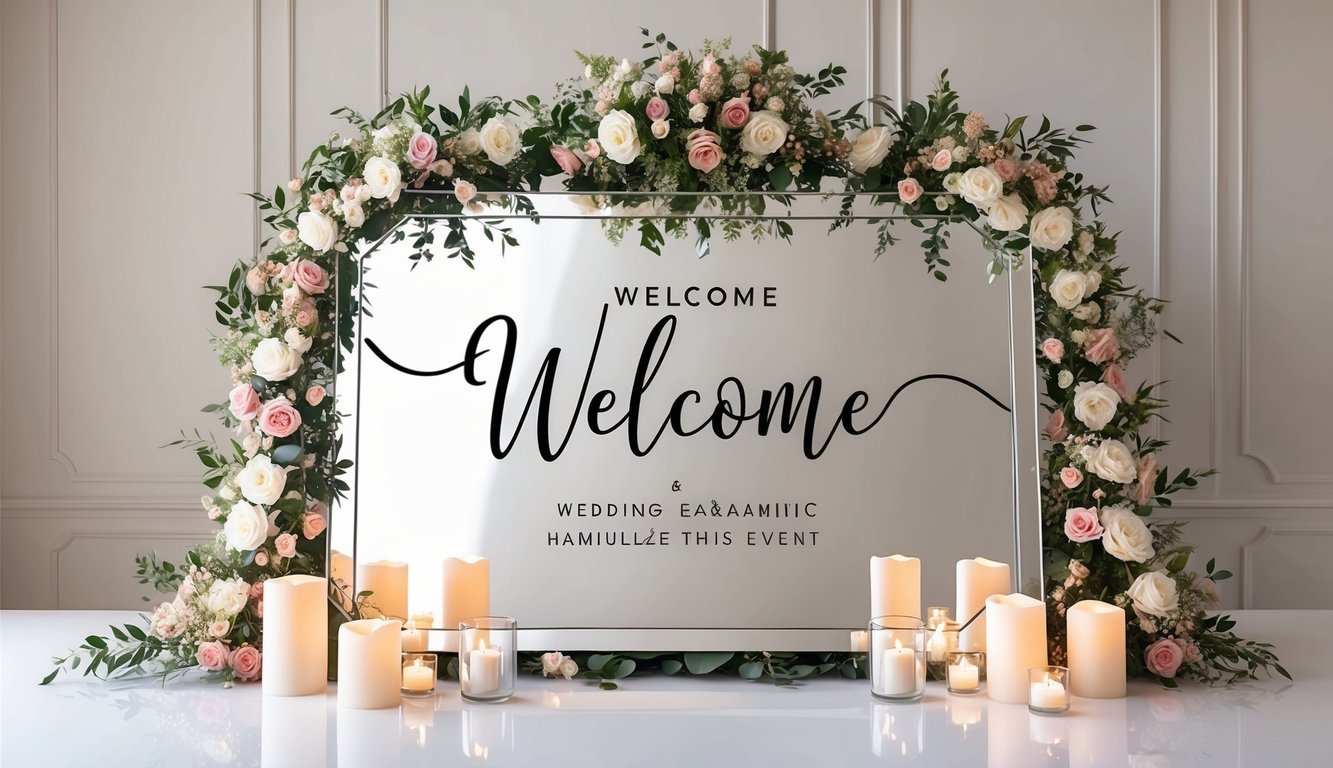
pixel 131 129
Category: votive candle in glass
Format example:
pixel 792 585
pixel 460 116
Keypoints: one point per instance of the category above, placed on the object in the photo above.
pixel 487 658
pixel 964 671
pixel 419 674
pixel 936 615
pixel 1048 690
pixel 897 657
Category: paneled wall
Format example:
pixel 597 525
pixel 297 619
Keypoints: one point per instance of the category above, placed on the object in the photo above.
pixel 131 130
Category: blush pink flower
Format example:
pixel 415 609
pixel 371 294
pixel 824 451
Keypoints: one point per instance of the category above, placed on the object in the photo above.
pixel 243 402
pixel 246 662
pixel 942 160
pixel 309 276
pixel 1081 524
pixel 1147 478
pixel 256 279
pixel 312 525
pixel 567 160
pixel 421 150
pixel 735 112
pixel 315 395
pixel 261 558
pixel 1045 189
pixel 909 191
pixel 657 109
pixel 1055 427
pixel 285 545
pixel 1053 349
pixel 1115 379
pixel 1007 169
pixel 694 96
pixel 218 629
pixel 212 656
pixel 760 91
pixel 1071 477
pixel 464 191
pixel 703 149
pixel 278 418
pixel 257 590
pixel 592 149
pixel 1102 346
pixel 1163 658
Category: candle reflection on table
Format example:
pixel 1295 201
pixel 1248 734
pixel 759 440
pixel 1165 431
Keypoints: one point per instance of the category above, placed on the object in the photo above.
pixel 418 715
pixel 367 737
pixel 897 730
pixel 486 731
pixel 294 730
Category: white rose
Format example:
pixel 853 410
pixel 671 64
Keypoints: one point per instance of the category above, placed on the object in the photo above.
pixel 246 527
pixel 468 142
pixel 1052 228
pixel 870 148
pixel 640 88
pixel 665 84
pixel 661 128
pixel 1064 379
pixel 354 214
pixel 274 360
pixel 317 230
pixel 1088 311
pixel 1095 404
pixel 227 596
pixel 980 186
pixel 1070 288
pixel 383 178
pixel 764 134
pixel 1007 214
pixel 1085 243
pixel 500 140
pixel 1111 461
pixel 297 340
pixel 619 136
pixel 951 182
pixel 1154 592
pixel 698 112
pixel 261 481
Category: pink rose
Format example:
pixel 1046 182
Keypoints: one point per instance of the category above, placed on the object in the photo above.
pixel 703 150
pixel 1053 349
pixel 244 402
pixel 1081 524
pixel 278 418
pixel 1101 346
pixel 421 150
pixel 464 191
pixel 909 190
pixel 1163 657
pixel 312 525
pixel 1071 477
pixel 246 662
pixel 567 160
pixel 592 149
pixel 315 395
pixel 1055 427
pixel 309 276
pixel 734 113
pixel 285 545
pixel 218 629
pixel 1006 169
pixel 1147 478
pixel 261 558
pixel 1115 379
pixel 212 656
pixel 694 96
pixel 760 91
pixel 942 160
pixel 657 109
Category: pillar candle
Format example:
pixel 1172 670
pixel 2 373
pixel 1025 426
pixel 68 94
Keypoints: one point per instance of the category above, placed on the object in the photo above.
pixel 1015 642
pixel 977 579
pixel 369 664
pixel 1096 649
pixel 387 579
pixel 483 670
pixel 897 671
pixel 467 590
pixel 296 639
pixel 895 586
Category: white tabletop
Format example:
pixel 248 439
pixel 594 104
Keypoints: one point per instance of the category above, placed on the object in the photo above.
pixel 657 720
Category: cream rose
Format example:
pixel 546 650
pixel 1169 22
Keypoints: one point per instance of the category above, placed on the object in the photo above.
pixel 275 360
pixel 764 134
pixel 1126 536
pixel 500 140
pixel 1007 214
pixel 468 142
pixel 317 230
pixel 980 186
pixel 661 128
pixel 383 178
pixel 353 214
pixel 1155 593
pixel 619 137
pixel 870 148
pixel 1095 404
pixel 1111 461
pixel 1052 228
pixel 246 527
pixel 227 596
pixel 261 482
pixel 1069 287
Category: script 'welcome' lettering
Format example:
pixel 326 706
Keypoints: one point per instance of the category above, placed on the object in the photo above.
pixel 782 410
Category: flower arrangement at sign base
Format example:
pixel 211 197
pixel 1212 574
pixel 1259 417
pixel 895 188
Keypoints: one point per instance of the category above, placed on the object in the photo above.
pixel 704 122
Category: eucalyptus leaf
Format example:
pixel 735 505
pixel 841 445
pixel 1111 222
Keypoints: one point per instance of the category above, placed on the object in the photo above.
pixel 701 663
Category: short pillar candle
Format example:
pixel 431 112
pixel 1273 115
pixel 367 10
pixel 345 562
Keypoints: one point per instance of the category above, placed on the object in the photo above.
pixel 1015 643
pixel 895 586
pixel 370 653
pixel 1095 640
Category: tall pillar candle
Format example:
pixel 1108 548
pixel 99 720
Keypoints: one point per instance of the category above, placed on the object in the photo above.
pixel 295 661
pixel 369 664
pixel 467 590
pixel 1095 636
pixel 895 586
pixel 976 580
pixel 1015 642
pixel 387 580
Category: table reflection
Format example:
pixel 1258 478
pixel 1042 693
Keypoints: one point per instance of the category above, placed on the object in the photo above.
pixel 487 732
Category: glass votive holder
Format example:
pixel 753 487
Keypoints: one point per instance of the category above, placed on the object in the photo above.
pixel 942 641
pixel 1048 690
pixel 897 658
pixel 487 658
pixel 936 615
pixel 419 674
pixel 964 671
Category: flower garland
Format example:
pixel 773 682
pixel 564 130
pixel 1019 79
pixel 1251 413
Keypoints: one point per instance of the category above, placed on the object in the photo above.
pixel 702 122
